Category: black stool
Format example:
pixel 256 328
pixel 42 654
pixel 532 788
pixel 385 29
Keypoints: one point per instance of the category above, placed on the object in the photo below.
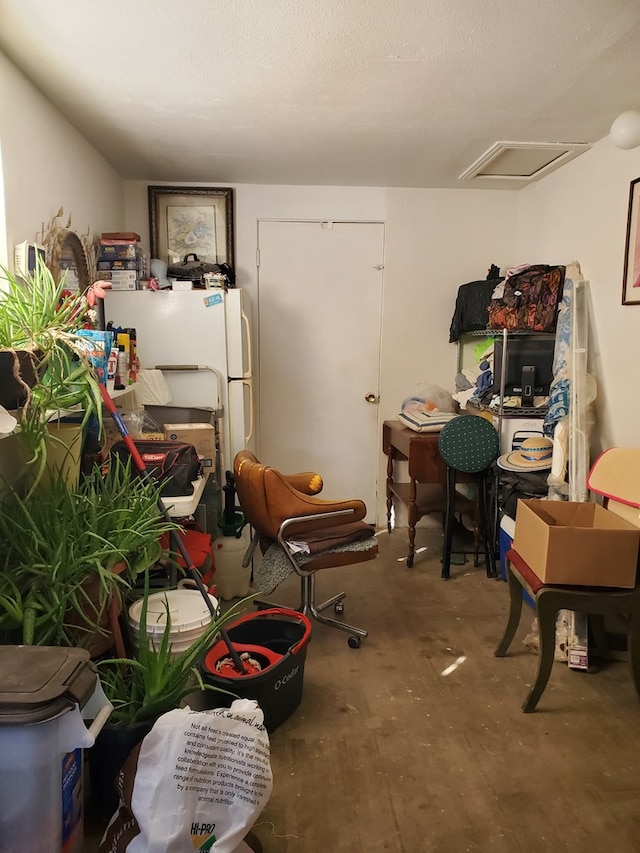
pixel 469 444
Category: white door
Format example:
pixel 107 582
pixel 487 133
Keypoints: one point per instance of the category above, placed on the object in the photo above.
pixel 320 303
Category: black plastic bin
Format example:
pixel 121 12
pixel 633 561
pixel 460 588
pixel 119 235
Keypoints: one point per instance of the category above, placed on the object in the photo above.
pixel 278 638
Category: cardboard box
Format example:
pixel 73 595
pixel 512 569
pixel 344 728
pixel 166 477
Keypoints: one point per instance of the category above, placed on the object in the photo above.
pixel 578 651
pixel 121 279
pixel 120 276
pixel 108 251
pixel 578 544
pixel 202 436
pixel 122 264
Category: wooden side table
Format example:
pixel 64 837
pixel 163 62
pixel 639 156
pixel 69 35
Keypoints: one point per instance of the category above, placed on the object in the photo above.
pixel 425 492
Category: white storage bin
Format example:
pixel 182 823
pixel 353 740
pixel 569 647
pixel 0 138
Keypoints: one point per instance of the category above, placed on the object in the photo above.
pixel 44 694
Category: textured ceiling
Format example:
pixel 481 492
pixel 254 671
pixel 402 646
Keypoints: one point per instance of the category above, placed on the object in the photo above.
pixel 345 92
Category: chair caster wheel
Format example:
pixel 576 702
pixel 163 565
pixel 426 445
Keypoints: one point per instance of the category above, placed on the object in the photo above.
pixel 410 561
pixel 338 608
pixel 354 642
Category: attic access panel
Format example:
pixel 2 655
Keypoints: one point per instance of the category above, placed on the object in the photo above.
pixel 522 161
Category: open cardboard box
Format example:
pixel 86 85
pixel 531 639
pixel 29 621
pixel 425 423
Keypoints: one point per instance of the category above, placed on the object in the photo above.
pixel 578 544
pixel 201 435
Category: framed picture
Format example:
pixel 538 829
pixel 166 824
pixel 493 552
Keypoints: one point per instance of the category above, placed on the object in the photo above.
pixel 631 277
pixel 191 220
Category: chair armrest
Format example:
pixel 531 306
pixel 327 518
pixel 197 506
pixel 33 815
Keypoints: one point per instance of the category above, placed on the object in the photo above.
pixel 307 482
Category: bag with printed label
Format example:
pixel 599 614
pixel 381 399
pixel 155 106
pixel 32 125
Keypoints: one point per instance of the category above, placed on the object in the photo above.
pixel 530 300
pixel 198 781
pixel 174 465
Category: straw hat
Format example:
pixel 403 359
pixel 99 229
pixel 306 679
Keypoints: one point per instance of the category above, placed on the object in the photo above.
pixel 534 454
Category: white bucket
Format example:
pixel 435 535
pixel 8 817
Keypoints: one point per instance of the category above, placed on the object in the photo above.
pixel 188 613
pixel 230 578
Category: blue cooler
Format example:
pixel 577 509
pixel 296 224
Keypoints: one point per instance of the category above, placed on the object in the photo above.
pixel 505 540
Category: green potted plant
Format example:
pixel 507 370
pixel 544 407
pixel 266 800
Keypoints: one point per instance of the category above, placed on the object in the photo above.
pixel 58 543
pixel 141 688
pixel 46 369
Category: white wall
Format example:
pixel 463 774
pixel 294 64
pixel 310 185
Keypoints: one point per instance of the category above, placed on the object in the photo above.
pixel 46 164
pixel 435 240
pixel 580 213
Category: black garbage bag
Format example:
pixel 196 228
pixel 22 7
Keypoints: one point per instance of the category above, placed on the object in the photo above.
pixel 527 485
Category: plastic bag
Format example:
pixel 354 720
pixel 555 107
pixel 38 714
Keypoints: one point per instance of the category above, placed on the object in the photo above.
pixel 429 398
pixel 198 782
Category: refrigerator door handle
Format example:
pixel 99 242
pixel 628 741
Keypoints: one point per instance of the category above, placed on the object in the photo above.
pixel 249 384
pixel 249 371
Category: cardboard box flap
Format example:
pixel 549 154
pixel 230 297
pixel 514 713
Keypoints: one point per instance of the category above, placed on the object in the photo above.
pixel 616 476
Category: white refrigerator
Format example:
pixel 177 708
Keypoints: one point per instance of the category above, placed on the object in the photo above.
pixel 204 329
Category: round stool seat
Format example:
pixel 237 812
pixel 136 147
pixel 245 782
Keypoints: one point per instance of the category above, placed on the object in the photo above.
pixel 469 444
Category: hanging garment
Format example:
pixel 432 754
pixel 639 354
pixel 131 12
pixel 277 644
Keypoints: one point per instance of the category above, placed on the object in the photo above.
pixel 471 308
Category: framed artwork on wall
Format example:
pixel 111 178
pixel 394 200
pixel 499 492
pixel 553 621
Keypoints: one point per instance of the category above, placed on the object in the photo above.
pixel 191 220
pixel 631 276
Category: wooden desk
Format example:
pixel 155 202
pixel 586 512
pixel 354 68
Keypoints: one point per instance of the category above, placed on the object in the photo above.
pixel 426 490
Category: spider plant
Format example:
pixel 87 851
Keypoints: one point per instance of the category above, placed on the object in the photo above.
pixel 156 681
pixel 54 539
pixel 35 318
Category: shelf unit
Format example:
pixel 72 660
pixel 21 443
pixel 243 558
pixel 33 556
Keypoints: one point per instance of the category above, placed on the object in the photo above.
pixel 501 414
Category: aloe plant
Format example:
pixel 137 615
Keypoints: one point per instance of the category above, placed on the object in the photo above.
pixel 36 318
pixel 54 538
pixel 154 682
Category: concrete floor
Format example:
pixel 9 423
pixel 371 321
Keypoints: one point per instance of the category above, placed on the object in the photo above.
pixel 387 752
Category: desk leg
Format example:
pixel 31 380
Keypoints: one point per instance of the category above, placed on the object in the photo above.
pixel 389 494
pixel 412 512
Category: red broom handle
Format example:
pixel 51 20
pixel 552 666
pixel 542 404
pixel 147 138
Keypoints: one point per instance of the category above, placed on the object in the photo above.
pixel 177 542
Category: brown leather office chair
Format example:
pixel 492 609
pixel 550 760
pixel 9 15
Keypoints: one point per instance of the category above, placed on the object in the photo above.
pixel 282 508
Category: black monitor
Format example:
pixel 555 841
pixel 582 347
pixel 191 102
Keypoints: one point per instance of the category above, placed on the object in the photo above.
pixel 529 366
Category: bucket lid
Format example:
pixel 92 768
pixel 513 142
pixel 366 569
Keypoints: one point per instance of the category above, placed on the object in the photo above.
pixel 187 610
pixel 40 683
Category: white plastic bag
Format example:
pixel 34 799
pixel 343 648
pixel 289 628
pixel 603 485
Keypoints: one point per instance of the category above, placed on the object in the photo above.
pixel 201 780
pixel 429 398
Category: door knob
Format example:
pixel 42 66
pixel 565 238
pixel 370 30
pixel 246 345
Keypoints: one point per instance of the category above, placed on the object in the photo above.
pixel 371 398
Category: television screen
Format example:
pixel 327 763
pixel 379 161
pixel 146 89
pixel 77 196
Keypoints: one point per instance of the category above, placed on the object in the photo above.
pixel 529 365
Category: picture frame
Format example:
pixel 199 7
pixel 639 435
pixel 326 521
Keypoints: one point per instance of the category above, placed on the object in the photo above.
pixel 191 220
pixel 631 275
